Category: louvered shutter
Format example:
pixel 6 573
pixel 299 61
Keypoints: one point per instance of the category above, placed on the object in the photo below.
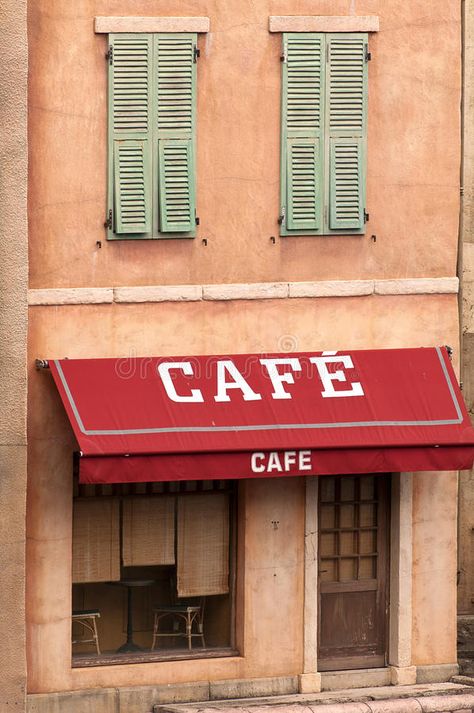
pixel 302 132
pixel 130 142
pixel 347 118
pixel 175 117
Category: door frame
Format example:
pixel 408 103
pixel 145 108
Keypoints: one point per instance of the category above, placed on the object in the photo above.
pixel 399 643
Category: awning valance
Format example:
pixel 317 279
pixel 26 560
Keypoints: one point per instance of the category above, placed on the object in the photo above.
pixel 261 415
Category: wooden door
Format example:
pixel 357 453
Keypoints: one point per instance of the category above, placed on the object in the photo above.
pixel 353 571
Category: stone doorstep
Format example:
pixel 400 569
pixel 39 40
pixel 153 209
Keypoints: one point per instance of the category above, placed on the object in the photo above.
pixel 326 698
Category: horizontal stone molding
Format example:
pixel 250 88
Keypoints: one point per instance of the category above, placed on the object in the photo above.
pixel 71 296
pixel 151 24
pixel 171 293
pixel 242 291
pixel 324 23
pixel 331 288
pixel 251 291
pixel 418 286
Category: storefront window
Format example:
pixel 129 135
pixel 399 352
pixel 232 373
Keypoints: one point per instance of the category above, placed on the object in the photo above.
pixel 153 571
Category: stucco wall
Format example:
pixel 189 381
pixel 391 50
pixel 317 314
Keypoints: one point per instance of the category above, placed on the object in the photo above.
pixel 434 567
pixel 413 168
pixel 13 325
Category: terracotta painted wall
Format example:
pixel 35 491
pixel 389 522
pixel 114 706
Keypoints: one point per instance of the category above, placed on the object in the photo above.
pixel 413 200
pixel 413 149
pixel 434 567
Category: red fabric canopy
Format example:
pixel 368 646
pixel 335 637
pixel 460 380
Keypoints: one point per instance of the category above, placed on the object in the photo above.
pixel 261 415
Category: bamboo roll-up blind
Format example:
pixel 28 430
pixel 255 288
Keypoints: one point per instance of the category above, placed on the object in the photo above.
pixel 96 540
pixel 148 531
pixel 203 544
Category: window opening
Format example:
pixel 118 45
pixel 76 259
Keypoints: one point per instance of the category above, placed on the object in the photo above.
pixel 153 571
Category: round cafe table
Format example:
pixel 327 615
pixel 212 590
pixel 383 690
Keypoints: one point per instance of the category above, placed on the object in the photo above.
pixel 130 584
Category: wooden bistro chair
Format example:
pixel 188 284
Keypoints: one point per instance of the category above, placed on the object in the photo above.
pixel 87 618
pixel 189 615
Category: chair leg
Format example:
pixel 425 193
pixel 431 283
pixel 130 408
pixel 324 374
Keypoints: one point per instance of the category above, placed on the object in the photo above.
pixel 155 630
pixel 189 624
pixel 89 625
pixel 96 636
pixel 201 620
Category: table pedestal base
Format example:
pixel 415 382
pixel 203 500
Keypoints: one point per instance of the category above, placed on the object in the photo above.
pixel 128 648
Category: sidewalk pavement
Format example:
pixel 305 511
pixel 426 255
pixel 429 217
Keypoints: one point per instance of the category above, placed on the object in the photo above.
pixel 428 698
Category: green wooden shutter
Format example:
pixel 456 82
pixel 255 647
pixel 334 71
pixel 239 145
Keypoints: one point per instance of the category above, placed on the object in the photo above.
pixel 130 142
pixel 176 129
pixel 347 129
pixel 302 133
pixel 132 190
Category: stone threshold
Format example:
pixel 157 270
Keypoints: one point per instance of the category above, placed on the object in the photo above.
pixel 442 697
pixel 242 291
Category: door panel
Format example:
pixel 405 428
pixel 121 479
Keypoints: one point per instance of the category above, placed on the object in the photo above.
pixel 353 571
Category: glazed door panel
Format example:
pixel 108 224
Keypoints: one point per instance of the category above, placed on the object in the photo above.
pixel 353 571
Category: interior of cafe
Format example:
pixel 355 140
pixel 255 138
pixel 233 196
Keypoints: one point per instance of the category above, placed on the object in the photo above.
pixel 153 571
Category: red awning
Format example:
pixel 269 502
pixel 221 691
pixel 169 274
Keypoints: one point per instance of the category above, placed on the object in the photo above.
pixel 261 415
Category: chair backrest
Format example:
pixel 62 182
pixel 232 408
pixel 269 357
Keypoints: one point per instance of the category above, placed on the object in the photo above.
pixel 197 602
pixel 186 601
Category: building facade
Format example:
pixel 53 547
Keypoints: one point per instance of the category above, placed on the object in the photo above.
pixel 328 223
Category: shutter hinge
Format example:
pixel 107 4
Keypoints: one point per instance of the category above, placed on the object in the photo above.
pixel 108 221
pixel 284 56
pixel 281 218
pixel 110 55
pixel 366 217
pixel 197 219
pixel 196 54
pixel 368 55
